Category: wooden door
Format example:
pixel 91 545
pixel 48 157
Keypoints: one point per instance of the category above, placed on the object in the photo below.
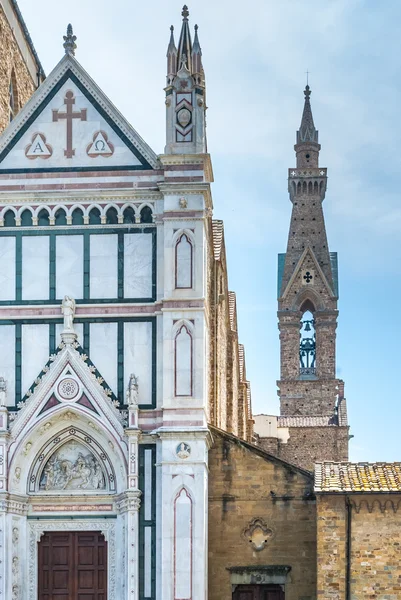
pixel 72 566
pixel 258 592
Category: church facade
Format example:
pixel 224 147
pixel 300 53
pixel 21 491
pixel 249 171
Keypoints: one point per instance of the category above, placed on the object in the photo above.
pixel 109 313
pixel 131 466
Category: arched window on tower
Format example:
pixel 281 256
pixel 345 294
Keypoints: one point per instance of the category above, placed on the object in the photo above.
pixel 307 346
pixel 183 362
pixel 12 96
pixel 183 263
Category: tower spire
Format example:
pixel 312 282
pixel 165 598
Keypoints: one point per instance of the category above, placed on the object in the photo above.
pixel 307 312
pixel 196 55
pixel 171 57
pixel 307 131
pixel 185 42
pixel 69 41
pixel 185 93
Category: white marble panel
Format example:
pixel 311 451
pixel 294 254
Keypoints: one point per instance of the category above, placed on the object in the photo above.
pixel 103 351
pixel 88 151
pixel 137 265
pixel 138 357
pixel 7 360
pixel 7 271
pixel 183 363
pixel 35 267
pixel 35 353
pixel 103 266
pixel 148 485
pixel 183 263
pixel 69 266
pixel 147 562
pixel 183 547
pixel 79 329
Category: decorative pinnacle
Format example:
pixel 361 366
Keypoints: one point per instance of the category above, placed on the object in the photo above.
pixel 307 91
pixel 69 41
pixel 185 12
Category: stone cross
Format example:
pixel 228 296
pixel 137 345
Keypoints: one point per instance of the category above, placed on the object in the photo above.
pixel 69 115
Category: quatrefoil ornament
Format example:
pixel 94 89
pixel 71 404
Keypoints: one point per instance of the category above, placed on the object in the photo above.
pixel 258 533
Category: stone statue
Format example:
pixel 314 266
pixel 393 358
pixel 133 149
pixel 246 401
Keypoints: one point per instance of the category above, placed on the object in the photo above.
pixel 133 390
pixel 68 310
pixel 3 391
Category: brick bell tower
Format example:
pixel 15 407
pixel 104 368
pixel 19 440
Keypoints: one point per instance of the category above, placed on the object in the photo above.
pixel 312 403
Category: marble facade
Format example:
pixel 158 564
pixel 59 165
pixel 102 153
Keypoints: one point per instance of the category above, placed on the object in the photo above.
pixel 92 213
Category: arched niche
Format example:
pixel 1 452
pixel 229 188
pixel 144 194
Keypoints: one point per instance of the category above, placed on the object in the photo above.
pixel 72 462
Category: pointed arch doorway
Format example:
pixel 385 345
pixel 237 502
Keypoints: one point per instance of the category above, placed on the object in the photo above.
pixel 72 565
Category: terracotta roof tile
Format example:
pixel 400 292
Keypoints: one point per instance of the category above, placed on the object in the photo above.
pixel 306 421
pixel 358 477
pixel 218 231
pixel 232 307
pixel 241 359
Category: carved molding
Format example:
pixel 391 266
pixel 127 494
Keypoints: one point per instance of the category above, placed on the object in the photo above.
pixel 129 502
pixel 382 505
pixel 38 528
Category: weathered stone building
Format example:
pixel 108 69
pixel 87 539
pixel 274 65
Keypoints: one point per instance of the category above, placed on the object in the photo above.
pixel 358 531
pixel 313 422
pixel 20 68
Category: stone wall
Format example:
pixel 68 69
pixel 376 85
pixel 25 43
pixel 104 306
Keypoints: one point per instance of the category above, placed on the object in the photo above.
pixel 13 65
pixel 246 483
pixel 229 392
pixel 375 567
pixel 308 445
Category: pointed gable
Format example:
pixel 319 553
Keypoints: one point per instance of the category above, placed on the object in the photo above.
pixel 68 380
pixel 309 273
pixel 69 124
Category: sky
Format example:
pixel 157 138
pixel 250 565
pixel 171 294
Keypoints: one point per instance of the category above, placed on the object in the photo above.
pixel 255 57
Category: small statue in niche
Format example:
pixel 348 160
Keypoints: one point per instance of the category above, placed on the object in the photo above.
pixel 3 391
pixel 68 310
pixel 133 390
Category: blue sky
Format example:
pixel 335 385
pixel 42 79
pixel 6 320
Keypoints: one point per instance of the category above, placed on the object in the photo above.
pixel 255 57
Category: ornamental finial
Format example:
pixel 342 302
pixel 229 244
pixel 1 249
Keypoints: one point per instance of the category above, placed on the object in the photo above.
pixel 185 11
pixel 69 41
pixel 307 91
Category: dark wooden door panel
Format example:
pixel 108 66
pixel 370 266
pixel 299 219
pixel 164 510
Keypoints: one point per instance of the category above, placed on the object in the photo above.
pixel 72 566
pixel 258 592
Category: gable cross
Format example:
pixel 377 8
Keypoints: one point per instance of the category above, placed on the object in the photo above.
pixel 69 115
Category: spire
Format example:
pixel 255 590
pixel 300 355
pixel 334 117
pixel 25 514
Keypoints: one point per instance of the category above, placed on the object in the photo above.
pixel 171 57
pixel 185 43
pixel 307 131
pixel 185 93
pixel 171 47
pixel 69 41
pixel 196 54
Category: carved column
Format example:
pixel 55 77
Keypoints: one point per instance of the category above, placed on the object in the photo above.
pixel 3 448
pixel 129 507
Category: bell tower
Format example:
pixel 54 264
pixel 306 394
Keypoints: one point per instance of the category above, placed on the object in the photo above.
pixel 310 394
